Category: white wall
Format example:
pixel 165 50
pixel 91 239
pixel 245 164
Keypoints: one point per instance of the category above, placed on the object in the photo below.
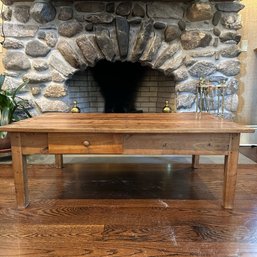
pixel 247 112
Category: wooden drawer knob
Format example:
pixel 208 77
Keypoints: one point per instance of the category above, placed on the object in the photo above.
pixel 86 143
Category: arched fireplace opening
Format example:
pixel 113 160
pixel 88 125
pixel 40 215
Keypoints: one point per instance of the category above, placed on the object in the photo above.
pixel 119 83
pixel 121 87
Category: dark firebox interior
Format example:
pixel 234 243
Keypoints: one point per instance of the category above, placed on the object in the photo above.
pixel 118 82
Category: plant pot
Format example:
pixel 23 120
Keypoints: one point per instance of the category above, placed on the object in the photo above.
pixel 5 144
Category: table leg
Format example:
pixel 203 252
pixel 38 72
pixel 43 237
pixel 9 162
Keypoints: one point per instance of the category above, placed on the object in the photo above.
pixel 58 161
pixel 195 161
pixel 230 172
pixel 20 172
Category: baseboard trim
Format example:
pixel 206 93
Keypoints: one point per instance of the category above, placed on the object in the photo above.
pixel 251 145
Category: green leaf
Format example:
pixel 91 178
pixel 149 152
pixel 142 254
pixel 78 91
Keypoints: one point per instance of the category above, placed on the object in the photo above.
pixel 11 104
pixel 6 102
pixel 2 77
pixel 17 90
pixel 26 111
pixel 3 101
pixel 3 134
pixel 5 116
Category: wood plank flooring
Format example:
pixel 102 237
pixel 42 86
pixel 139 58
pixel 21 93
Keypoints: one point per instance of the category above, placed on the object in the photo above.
pixel 250 152
pixel 145 209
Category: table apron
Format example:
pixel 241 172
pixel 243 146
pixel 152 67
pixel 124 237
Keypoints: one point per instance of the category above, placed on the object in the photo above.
pixel 115 143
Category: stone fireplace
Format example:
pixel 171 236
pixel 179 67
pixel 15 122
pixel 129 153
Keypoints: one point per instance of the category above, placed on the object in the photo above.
pixel 57 45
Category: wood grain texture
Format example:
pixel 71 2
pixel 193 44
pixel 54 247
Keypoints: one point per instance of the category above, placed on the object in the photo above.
pixel 58 161
pixel 195 161
pixel 86 143
pixel 20 171
pixel 176 133
pixel 230 172
pixel 176 143
pixel 146 123
pixel 147 217
pixel 250 152
pixel 34 143
pixel 180 133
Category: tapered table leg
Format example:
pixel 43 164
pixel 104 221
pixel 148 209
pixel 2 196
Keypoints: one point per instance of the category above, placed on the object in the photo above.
pixel 230 172
pixel 20 172
pixel 58 161
pixel 195 161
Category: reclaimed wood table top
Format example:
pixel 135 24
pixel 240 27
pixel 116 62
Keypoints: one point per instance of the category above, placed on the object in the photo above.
pixel 127 123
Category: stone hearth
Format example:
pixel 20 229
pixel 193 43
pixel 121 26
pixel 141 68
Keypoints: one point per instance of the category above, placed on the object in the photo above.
pixel 48 42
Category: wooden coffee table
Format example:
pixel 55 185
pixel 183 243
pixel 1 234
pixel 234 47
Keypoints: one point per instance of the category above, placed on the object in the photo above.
pixel 125 134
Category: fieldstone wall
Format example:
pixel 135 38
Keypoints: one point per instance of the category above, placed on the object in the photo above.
pixel 47 42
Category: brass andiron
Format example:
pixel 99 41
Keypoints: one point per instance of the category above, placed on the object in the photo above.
pixel 166 108
pixel 75 108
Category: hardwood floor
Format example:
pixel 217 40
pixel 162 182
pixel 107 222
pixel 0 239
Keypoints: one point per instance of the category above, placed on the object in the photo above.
pixel 250 152
pixel 112 209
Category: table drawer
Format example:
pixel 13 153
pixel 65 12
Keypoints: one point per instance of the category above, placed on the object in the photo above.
pixel 85 143
pixel 177 144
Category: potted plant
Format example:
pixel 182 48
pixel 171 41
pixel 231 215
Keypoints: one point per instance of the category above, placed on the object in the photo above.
pixel 12 108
